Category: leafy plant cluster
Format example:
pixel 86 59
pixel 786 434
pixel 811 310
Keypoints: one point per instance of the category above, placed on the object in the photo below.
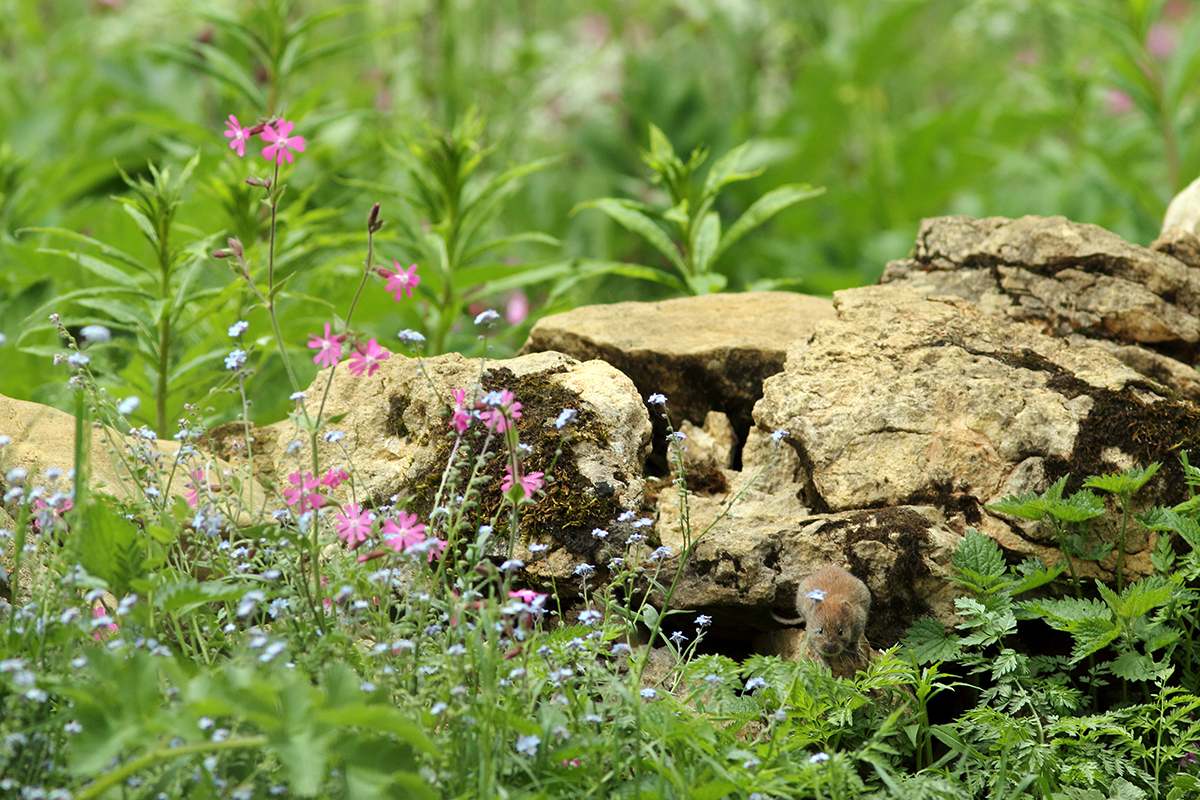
pixel 1008 115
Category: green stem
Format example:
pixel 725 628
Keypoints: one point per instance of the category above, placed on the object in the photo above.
pixel 165 754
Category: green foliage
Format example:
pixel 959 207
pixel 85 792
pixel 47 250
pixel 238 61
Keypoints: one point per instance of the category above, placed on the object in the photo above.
pixel 153 306
pixel 447 224
pixel 699 241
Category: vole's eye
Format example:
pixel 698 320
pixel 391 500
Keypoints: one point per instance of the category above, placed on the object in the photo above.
pixel 841 632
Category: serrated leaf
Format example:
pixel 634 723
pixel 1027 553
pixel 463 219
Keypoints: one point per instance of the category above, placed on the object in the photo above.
pixel 1025 506
pixel 1079 507
pixel 763 209
pixel 928 641
pixel 1006 663
pixel 1142 597
pixel 1133 666
pixel 1033 574
pixel 1124 483
pixel 978 562
pixel 1170 519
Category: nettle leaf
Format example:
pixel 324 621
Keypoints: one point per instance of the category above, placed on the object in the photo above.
pixel 929 641
pixel 1133 666
pixel 1140 598
pixel 1033 573
pixel 1025 506
pixel 979 564
pixel 1091 635
pixel 1124 483
pixel 1171 519
pixel 1063 614
pixel 1079 507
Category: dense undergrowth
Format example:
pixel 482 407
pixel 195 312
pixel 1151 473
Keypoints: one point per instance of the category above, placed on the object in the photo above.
pixel 192 633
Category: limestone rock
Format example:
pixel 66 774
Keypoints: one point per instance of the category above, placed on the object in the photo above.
pixel 704 353
pixel 1184 210
pixel 751 560
pixel 1180 244
pixel 1065 278
pixel 907 400
pixel 44 437
pixel 398 439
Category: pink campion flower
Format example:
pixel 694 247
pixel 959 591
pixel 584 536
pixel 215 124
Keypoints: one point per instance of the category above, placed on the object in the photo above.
pixel 401 280
pixel 505 410
pixel 436 547
pixel 369 360
pixel 1118 101
pixel 460 420
pixel 328 347
pixel 334 477
pixel 192 495
pixel 529 483
pixel 99 612
pixel 529 596
pixel 402 536
pixel 282 143
pixel 47 514
pixel 517 308
pixel 354 526
pixel 303 496
pixel 238 135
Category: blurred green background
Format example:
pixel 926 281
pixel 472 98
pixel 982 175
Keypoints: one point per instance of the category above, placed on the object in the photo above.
pixel 902 109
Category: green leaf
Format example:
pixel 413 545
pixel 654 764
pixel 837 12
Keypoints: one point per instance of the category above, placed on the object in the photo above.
pixel 979 564
pixel 1133 666
pixel 1033 574
pixel 105 250
pixel 707 283
pixel 763 209
pixel 142 221
pixel 100 268
pixel 706 242
pixel 1079 507
pixel 1025 506
pixel 628 216
pixel 509 241
pixel 1124 483
pixel 108 545
pixel 929 642
pixel 186 595
pixel 1169 519
pixel 724 172
pixel 589 268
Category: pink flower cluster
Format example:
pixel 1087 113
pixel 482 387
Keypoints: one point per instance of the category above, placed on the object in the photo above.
pixel 366 358
pixel 403 534
pixel 276 133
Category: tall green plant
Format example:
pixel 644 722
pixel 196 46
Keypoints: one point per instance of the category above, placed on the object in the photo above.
pixel 157 302
pixel 447 222
pixel 693 241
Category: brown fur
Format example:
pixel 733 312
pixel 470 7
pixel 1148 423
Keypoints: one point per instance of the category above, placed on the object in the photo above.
pixel 835 623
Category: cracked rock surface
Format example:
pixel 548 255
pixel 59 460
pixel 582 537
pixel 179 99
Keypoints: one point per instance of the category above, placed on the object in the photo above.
pixel 1069 278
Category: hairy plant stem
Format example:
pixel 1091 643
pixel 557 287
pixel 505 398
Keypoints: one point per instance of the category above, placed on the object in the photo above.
pixel 161 754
